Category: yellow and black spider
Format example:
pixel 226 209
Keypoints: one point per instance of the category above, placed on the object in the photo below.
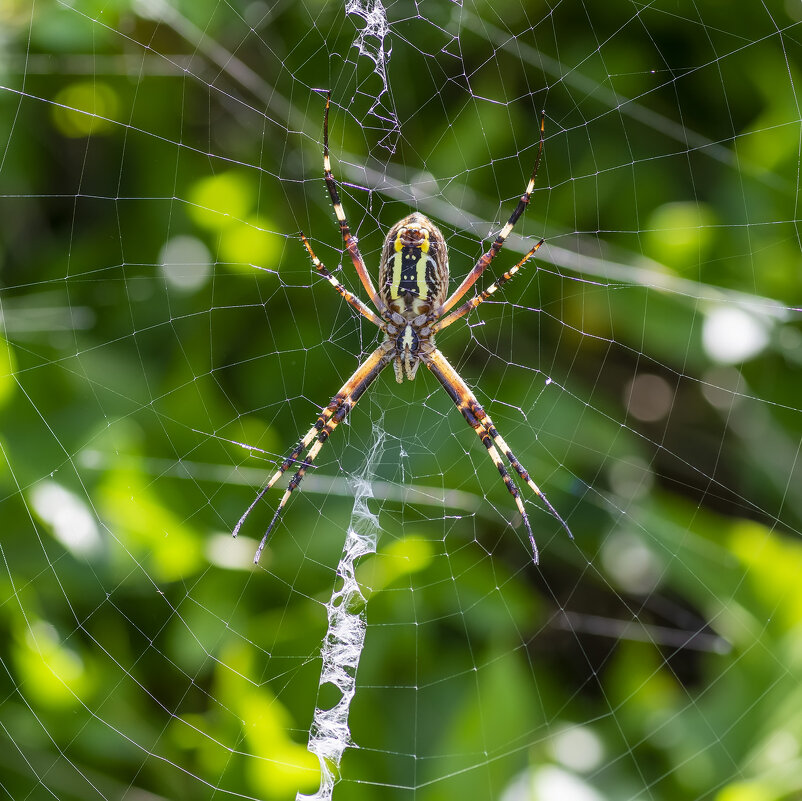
pixel 411 304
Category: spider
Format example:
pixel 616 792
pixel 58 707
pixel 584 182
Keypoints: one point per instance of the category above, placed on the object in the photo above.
pixel 412 305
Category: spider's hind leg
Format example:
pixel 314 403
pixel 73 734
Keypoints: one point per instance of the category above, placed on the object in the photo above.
pixel 337 410
pixel 290 460
pixel 512 488
pixel 481 423
pixel 484 418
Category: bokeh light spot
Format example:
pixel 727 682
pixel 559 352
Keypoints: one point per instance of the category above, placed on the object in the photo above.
pixel 73 523
pixel 578 748
pixel 248 244
pixel 186 263
pixel 630 564
pixel 680 234
pixel 84 108
pixel 731 335
pixel 218 201
pixel 648 397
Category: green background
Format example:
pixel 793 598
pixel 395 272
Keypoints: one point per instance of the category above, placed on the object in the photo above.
pixel 656 656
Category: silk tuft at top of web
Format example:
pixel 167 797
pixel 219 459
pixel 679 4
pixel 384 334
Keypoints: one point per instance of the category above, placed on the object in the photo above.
pixel 372 42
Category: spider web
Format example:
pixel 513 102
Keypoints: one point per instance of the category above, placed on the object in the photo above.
pixel 164 343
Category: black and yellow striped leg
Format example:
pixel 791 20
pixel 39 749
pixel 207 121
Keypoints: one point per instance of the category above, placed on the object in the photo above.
pixel 478 419
pixel 498 243
pixel 345 230
pixel 347 296
pixel 487 423
pixel 336 411
pixel 290 460
pixel 483 296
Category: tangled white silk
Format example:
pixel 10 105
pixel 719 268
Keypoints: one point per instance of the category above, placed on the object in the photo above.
pixel 345 637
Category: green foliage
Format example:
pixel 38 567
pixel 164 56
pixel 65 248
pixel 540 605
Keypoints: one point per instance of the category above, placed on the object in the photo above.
pixel 164 342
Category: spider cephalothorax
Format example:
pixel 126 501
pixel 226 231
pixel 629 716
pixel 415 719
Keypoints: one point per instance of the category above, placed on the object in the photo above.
pixel 412 305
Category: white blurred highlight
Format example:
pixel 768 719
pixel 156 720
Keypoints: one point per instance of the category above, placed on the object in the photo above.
pixel 731 335
pixel 186 263
pixel 223 550
pixel 578 748
pixel 71 519
pixel 550 783
pixel 631 565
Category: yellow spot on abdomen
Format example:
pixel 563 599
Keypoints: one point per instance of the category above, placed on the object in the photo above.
pixel 397 262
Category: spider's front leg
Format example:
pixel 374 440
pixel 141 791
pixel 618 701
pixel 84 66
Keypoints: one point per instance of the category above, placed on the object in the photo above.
pixel 347 296
pixel 498 243
pixel 337 410
pixel 481 423
pixel 471 304
pixel 342 220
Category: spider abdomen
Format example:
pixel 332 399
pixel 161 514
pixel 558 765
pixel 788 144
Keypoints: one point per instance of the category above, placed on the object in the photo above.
pixel 413 274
